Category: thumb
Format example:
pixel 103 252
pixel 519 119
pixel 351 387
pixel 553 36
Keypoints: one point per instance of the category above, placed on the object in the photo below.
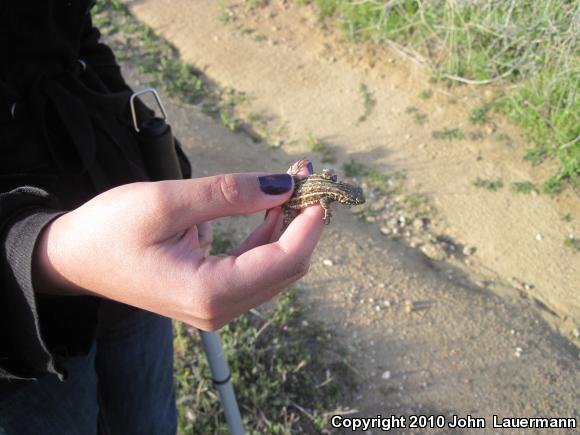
pixel 204 199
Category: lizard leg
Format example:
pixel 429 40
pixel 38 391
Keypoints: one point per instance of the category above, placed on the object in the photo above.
pixel 287 218
pixel 325 204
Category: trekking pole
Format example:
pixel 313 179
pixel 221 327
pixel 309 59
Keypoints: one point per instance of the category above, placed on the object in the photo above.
pixel 158 148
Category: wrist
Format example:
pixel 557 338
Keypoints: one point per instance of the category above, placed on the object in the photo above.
pixel 46 261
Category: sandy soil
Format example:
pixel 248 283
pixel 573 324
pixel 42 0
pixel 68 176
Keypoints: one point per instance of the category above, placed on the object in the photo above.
pixel 299 79
pixel 431 338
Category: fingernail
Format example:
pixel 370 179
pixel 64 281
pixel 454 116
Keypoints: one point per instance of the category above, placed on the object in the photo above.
pixel 275 184
pixel 310 168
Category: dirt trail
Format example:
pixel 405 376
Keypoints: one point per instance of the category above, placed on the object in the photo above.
pixel 302 82
pixel 461 350
pixel 430 340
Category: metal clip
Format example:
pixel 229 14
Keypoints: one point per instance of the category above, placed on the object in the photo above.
pixel 132 105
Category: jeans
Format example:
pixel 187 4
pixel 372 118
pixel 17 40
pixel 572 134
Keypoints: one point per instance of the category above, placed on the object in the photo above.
pixel 123 386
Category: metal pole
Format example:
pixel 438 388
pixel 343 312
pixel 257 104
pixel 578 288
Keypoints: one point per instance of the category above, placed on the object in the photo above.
pixel 221 375
pixel 158 149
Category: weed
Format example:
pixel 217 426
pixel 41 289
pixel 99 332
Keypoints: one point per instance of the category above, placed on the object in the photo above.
pixel 572 243
pixel 222 243
pixel 426 94
pixel 524 187
pixel 228 120
pixel 368 102
pixel 327 152
pixel 260 37
pixel 288 373
pixel 566 217
pixel 479 115
pixel 354 169
pixel 157 59
pixel 488 184
pixel 535 156
pixel 448 134
pixel 246 30
pixel 378 179
pixel 553 185
pixel 420 118
pixel 418 205
pixel 226 14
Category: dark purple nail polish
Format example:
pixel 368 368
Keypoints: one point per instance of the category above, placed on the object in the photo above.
pixel 310 168
pixel 275 184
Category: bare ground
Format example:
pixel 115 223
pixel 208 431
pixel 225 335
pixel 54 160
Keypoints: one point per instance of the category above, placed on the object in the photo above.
pixel 431 337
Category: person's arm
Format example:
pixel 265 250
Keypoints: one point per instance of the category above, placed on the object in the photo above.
pixel 138 244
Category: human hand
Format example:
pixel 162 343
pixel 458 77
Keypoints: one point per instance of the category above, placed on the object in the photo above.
pixel 139 244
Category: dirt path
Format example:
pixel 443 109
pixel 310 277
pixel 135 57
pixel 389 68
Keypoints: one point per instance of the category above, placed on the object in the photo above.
pixel 298 79
pixel 430 339
pixel 460 350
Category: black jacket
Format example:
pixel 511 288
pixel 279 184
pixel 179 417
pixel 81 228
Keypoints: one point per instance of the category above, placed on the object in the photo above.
pixel 65 136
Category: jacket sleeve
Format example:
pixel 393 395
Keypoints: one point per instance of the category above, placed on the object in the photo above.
pixel 24 212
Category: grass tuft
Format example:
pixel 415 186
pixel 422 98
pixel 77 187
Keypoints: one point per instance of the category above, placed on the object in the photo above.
pixel 369 102
pixel 288 373
pixel 326 151
pixel 449 134
pixel 572 243
pixel 524 187
pixel 488 184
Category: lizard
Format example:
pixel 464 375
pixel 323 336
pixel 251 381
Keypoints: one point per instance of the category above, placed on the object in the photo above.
pixel 320 189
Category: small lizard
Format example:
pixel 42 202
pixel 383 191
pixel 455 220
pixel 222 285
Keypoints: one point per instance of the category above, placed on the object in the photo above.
pixel 320 189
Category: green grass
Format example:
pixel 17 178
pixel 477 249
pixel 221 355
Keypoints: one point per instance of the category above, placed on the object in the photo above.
pixel 385 184
pixel 289 374
pixel 352 168
pixel 159 62
pixel 572 243
pixel 426 94
pixel 448 134
pixel 326 151
pixel 157 59
pixel 479 115
pixel 488 184
pixel 369 102
pixel 529 47
pixel 524 187
pixel 419 117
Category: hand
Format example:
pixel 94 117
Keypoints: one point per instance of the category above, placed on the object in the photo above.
pixel 205 237
pixel 139 244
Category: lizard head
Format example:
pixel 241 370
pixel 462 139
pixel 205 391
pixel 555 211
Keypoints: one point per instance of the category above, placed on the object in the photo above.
pixel 355 196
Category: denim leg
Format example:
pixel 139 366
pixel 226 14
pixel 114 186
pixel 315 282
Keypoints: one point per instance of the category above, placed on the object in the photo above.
pixel 51 407
pixel 134 365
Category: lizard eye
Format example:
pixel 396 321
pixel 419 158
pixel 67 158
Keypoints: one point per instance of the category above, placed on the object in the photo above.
pixel 334 177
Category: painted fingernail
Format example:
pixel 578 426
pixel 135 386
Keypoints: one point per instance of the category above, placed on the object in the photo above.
pixel 275 184
pixel 310 168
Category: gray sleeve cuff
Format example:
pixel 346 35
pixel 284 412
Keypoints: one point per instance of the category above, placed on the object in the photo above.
pixel 23 353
